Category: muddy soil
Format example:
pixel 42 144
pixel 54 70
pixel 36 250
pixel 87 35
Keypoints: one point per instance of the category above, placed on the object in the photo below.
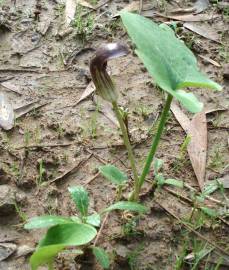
pixel 45 65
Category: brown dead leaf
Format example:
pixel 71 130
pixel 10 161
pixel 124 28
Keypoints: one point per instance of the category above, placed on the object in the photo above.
pixel 215 110
pixel 70 8
pixel 188 17
pixel 181 117
pixel 197 148
pixel 203 30
pixel 87 92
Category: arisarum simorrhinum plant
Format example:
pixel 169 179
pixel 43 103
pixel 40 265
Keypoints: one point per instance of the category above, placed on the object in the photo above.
pixel 172 66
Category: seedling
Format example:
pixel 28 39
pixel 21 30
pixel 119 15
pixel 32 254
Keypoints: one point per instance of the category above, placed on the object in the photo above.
pixel 159 177
pixel 210 188
pixel 115 176
pixel 78 230
pixel 173 67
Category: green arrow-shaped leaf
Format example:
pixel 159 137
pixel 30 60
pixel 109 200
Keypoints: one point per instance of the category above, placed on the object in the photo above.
pixel 172 65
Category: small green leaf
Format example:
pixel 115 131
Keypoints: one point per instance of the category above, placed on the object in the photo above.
pixel 208 211
pixel 172 65
pixel 124 205
pixel 113 174
pixel 210 188
pixel 94 220
pixel 44 255
pixel 70 234
pixel 174 182
pixel 160 179
pixel 157 165
pixel 45 221
pixel 81 199
pixel 102 257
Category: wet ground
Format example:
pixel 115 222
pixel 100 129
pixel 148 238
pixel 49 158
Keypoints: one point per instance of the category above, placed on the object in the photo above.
pixel 57 141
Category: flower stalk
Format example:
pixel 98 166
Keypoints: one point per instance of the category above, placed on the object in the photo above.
pixel 107 90
pixel 126 142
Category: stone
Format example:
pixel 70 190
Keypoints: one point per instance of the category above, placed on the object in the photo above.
pixel 8 197
pixel 24 250
pixel 7 200
pixel 6 249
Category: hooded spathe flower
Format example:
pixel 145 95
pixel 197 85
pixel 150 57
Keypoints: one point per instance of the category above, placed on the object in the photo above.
pixel 103 83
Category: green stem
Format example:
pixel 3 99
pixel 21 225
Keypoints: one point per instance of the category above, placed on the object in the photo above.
pixel 126 142
pixel 155 143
